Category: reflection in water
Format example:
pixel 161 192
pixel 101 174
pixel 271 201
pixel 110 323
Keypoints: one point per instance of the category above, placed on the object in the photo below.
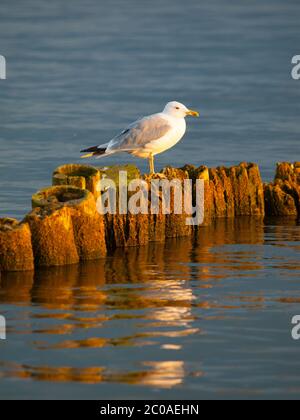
pixel 156 374
pixel 164 297
pixel 214 262
pixel 16 287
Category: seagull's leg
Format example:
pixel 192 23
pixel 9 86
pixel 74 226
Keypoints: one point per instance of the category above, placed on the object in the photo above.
pixel 152 171
pixel 151 163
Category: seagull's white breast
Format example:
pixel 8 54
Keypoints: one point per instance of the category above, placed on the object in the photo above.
pixel 165 142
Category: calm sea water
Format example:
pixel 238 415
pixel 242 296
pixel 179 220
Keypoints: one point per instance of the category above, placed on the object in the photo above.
pixel 203 319
pixel 184 320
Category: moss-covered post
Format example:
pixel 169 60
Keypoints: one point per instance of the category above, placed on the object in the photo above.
pixel 87 225
pixel 52 236
pixel 89 228
pixel 202 172
pixel 278 202
pixel 157 220
pixel 282 197
pixel 124 230
pixel 176 224
pixel 247 190
pixel 81 176
pixel 15 246
pixel 230 192
pixel 129 229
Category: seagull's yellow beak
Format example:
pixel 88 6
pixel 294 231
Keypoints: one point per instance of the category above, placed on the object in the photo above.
pixel 192 113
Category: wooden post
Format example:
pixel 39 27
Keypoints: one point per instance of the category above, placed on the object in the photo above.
pixel 15 246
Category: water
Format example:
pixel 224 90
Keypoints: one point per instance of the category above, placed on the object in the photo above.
pixel 78 73
pixel 186 319
pixel 209 318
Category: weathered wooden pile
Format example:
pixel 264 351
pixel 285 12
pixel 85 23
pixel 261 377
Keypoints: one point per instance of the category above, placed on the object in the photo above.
pixel 282 197
pixel 64 226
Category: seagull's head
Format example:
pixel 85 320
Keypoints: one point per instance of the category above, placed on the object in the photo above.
pixel 178 110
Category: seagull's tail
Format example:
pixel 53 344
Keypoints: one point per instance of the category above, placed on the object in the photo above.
pixel 94 151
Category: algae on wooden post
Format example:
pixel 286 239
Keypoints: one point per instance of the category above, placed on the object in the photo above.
pixel 230 192
pixel 286 171
pixel 52 236
pixel 218 194
pixel 131 230
pixel 176 224
pixel 15 246
pixel 247 189
pixel 87 223
pixel 221 193
pixel 278 202
pixel 234 191
pixel 113 172
pixel 156 220
pixel 124 230
pixel 89 229
pixel 282 197
pixel 81 176
pixel 202 172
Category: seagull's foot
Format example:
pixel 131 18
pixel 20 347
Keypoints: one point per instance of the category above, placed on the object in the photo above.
pixel 159 176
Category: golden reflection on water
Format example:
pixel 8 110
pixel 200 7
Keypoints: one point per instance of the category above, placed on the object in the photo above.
pixel 215 264
pixel 161 288
pixel 156 374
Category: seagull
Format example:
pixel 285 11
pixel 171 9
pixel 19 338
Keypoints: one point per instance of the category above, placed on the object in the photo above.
pixel 148 136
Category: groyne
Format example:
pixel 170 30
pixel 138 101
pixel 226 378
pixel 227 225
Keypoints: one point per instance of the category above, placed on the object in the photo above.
pixel 65 226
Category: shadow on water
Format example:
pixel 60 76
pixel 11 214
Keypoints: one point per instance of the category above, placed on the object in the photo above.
pixel 153 315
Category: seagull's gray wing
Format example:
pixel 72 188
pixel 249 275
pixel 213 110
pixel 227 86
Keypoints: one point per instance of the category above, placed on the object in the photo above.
pixel 138 134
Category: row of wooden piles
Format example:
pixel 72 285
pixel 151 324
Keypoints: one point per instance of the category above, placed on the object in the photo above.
pixel 64 226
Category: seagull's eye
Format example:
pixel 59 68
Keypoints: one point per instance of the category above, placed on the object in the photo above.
pixel 177 107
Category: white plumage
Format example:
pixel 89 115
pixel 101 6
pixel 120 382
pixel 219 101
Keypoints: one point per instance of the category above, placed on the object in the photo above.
pixel 149 135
